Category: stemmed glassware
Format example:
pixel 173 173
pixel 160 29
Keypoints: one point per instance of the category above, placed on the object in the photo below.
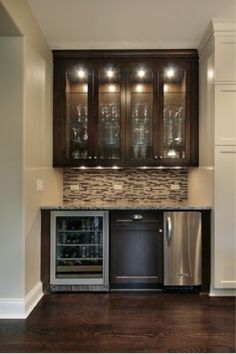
pixel 110 114
pixel 173 120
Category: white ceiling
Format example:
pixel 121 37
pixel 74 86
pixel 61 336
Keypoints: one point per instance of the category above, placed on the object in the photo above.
pixel 120 24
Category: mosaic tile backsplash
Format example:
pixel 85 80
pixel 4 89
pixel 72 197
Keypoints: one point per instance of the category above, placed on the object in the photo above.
pixel 146 187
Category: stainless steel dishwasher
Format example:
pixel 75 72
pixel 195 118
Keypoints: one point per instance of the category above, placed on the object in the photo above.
pixel 182 248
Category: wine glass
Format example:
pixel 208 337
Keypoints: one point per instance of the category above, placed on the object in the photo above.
pixel 146 111
pixel 79 110
pixel 135 111
pixel 85 111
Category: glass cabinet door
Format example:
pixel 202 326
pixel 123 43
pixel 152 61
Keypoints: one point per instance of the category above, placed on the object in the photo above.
pixel 77 112
pixel 109 113
pixel 140 113
pixel 174 144
pixel 79 247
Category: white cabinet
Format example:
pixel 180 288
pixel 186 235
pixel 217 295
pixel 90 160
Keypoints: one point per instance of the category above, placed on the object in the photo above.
pixel 218 114
pixel 224 243
pixel 225 114
pixel 225 59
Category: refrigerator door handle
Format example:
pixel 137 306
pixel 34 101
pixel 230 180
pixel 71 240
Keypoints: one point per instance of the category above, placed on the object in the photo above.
pixel 169 230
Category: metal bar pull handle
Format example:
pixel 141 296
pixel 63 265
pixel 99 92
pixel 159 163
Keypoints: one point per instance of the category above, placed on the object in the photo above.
pixel 169 229
pixel 123 220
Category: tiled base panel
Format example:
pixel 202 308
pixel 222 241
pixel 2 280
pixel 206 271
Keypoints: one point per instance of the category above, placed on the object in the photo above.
pixel 146 187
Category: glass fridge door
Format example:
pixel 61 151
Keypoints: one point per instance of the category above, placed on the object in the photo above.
pixel 79 248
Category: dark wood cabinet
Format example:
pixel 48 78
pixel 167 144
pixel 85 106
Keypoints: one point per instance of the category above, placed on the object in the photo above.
pixel 125 108
pixel 136 257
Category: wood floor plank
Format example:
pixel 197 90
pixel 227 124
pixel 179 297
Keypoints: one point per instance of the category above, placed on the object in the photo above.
pixel 124 322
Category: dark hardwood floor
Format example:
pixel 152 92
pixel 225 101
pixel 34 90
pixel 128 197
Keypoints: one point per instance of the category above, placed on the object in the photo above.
pixel 124 322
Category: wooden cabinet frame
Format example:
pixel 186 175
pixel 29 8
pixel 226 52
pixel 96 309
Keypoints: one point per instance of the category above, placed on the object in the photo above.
pixel 187 59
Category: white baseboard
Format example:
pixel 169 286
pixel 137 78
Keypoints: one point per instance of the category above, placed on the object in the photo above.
pixel 222 292
pixel 21 307
pixel 12 308
pixel 33 297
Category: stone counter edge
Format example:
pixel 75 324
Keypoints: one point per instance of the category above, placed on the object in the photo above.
pixel 128 207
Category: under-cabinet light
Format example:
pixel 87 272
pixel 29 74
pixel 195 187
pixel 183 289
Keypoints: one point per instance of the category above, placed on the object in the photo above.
pixel 170 73
pixel 81 73
pixel 83 167
pixel 85 88
pixel 141 73
pixel 99 167
pixel 115 167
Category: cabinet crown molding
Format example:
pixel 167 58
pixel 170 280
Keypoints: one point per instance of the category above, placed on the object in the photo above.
pixel 124 54
pixel 217 27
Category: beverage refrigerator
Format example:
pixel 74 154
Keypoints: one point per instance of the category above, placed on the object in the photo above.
pixel 79 251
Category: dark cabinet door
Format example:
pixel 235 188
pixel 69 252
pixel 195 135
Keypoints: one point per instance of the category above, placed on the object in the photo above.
pixel 109 135
pixel 73 112
pixel 177 114
pixel 141 114
pixel 136 250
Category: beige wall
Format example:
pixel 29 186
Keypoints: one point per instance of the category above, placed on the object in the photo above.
pixel 35 142
pixel 200 180
pixel 200 186
pixel 11 175
pixel 37 156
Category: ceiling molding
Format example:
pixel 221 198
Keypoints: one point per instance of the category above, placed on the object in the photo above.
pixel 217 27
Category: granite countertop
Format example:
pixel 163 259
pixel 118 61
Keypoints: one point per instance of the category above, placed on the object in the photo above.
pixel 123 206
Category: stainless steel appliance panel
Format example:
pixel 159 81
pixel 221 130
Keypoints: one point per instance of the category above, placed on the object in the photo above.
pixel 182 248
